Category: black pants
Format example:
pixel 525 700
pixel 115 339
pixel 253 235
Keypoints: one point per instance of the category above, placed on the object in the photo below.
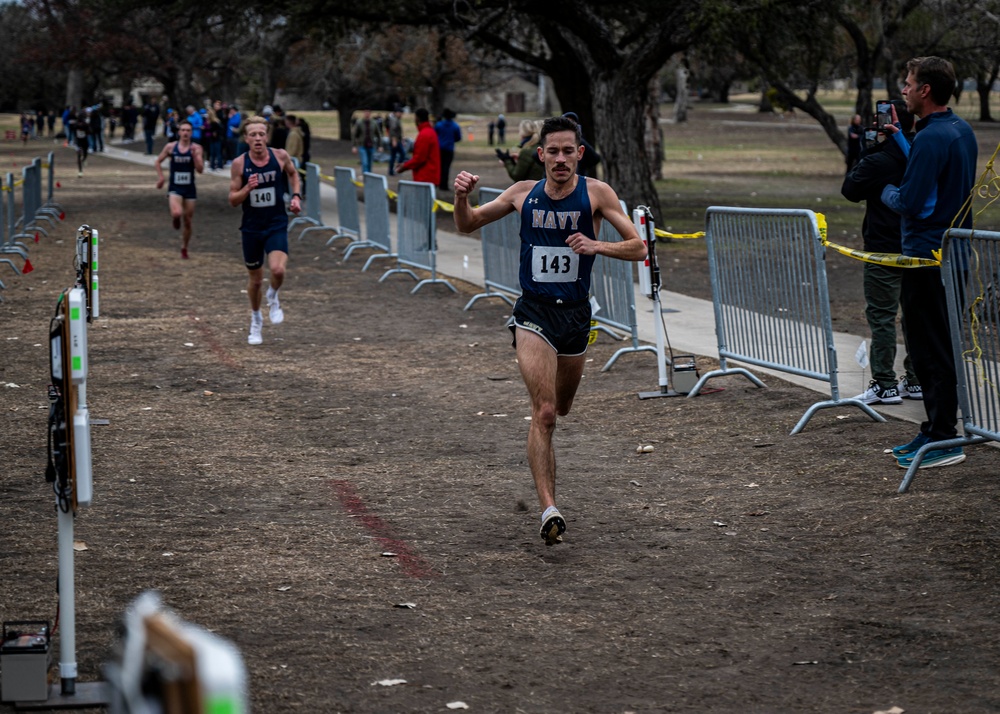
pixel 446 156
pixel 928 339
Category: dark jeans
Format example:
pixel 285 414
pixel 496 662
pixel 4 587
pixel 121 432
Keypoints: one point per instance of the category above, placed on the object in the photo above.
pixel 928 338
pixel 149 139
pixel 215 154
pixel 882 286
pixel 446 157
pixel 397 155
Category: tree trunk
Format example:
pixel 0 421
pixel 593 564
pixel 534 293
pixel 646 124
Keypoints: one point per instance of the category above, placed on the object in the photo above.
pixel 74 87
pixel 724 91
pixel 983 87
pixel 681 102
pixel 345 117
pixel 765 101
pixel 653 133
pixel 619 116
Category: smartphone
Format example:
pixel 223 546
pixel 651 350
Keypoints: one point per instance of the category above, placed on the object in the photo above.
pixel 883 111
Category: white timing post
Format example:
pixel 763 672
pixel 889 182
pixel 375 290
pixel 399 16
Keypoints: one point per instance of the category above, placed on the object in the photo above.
pixel 95 301
pixel 87 239
pixel 649 285
pixel 80 484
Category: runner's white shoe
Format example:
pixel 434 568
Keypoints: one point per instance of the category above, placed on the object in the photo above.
pixel 276 314
pixel 256 325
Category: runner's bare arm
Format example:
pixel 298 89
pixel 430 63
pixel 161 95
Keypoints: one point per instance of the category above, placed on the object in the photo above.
pixel 199 158
pixel 292 174
pixel 468 219
pixel 159 160
pixel 237 191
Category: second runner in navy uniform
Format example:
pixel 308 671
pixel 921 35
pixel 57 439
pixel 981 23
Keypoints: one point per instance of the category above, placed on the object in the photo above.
pixel 259 180
pixel 560 219
pixel 186 158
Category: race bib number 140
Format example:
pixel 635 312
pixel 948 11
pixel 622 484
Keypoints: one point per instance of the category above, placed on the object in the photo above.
pixel 263 197
pixel 551 264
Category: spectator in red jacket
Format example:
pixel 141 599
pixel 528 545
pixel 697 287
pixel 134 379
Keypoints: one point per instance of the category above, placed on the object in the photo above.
pixel 426 159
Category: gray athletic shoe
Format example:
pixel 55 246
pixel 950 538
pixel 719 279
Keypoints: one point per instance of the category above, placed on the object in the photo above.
pixel 552 528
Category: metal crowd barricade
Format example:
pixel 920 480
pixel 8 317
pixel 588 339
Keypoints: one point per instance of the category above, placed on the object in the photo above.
pixel 314 214
pixel 42 211
pixel 50 199
pixel 11 222
pixel 772 304
pixel 416 234
pixel 377 232
pixel 27 222
pixel 501 244
pixel 8 246
pixel 613 287
pixel 349 220
pixel 970 267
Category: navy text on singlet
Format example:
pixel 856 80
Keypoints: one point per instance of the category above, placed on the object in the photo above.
pixel 264 208
pixel 549 267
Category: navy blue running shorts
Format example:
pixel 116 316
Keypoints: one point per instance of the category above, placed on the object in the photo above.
pixel 565 326
pixel 256 244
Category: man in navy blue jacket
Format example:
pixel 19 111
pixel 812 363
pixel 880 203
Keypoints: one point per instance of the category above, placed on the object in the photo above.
pixel 940 174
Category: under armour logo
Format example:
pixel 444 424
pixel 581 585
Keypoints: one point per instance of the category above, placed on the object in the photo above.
pixel 532 200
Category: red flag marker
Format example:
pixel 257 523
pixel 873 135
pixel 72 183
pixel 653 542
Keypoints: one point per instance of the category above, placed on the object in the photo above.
pixel 58 184
pixel 28 267
pixel 36 237
pixel 62 216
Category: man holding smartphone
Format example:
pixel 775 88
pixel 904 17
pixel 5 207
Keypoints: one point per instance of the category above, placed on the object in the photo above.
pixel 940 175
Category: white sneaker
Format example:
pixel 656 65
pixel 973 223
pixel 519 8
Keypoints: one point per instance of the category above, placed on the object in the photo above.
pixel 275 312
pixel 880 395
pixel 255 338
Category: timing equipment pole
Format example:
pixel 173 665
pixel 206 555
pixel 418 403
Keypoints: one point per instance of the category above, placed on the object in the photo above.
pixel 649 285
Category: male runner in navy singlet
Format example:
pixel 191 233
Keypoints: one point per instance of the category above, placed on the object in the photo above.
pixel 560 220
pixel 259 180
pixel 186 157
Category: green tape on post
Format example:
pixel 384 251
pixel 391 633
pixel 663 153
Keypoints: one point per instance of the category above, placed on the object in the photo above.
pixel 222 705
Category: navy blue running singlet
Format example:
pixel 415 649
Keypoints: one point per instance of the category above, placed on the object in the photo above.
pixel 265 206
pixel 549 267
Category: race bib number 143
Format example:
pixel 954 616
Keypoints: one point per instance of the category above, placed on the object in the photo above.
pixel 551 264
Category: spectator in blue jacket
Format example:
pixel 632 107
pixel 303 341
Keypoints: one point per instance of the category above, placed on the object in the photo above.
pixel 449 133
pixel 197 122
pixel 233 133
pixel 940 175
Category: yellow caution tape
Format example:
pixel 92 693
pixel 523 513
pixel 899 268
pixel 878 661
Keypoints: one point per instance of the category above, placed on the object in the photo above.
pixel 592 337
pixel 892 260
pixel 660 233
